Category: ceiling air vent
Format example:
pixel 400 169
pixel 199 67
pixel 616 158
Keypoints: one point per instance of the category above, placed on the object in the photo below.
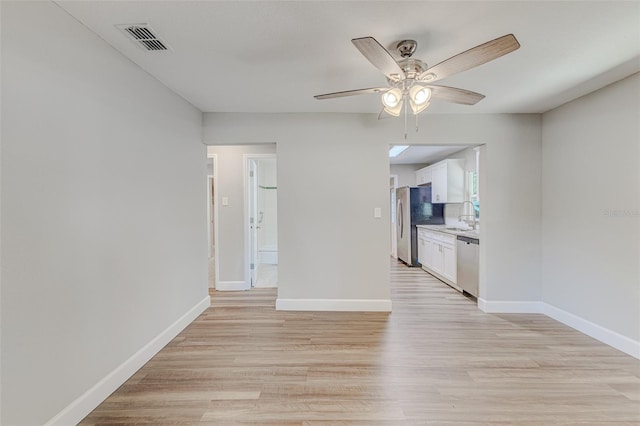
pixel 143 36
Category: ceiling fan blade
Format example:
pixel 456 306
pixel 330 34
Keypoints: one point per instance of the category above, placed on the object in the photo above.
pixel 471 58
pixel 384 114
pixel 352 93
pixel 455 95
pixel 379 57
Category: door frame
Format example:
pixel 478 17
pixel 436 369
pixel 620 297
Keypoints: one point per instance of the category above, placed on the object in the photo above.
pixel 392 202
pixel 248 230
pixel 216 259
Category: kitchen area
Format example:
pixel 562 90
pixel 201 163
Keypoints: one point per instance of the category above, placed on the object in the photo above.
pixel 436 216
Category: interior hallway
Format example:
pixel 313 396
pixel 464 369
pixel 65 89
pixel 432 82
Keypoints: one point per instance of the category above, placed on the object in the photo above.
pixel 436 359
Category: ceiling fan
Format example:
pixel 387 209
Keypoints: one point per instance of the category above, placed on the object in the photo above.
pixel 410 80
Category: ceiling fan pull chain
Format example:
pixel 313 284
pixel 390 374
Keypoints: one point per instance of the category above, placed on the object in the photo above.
pixel 417 122
pixel 405 118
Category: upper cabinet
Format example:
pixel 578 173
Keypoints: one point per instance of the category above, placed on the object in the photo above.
pixel 447 181
pixel 423 176
pixel 447 185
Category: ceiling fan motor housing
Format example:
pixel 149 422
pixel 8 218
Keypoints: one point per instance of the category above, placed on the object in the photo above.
pixel 406 48
pixel 411 67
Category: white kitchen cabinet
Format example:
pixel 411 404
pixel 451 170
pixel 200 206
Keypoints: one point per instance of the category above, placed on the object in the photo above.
pixel 422 246
pixel 447 182
pixel 449 262
pixel 423 176
pixel 437 253
pixel 434 261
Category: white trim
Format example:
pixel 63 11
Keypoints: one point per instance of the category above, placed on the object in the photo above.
pixel 358 305
pixel 209 212
pixel 610 337
pixel 604 335
pixel 232 286
pixel 216 203
pixel 87 402
pixel 509 307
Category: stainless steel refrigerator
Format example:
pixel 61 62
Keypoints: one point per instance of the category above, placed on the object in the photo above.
pixel 413 207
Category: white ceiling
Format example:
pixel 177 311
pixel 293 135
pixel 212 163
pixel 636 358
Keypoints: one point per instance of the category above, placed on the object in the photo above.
pixel 268 56
pixel 425 154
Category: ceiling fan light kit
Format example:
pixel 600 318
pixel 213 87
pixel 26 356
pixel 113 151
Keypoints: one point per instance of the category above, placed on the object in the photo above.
pixel 409 79
pixel 419 95
pixel 392 98
pixel 418 108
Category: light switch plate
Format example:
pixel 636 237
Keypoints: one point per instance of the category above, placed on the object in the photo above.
pixel 225 201
pixel 377 212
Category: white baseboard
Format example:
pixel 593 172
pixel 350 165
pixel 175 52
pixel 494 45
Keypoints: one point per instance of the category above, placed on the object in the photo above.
pixel 610 337
pixel 509 307
pixel 357 305
pixel 81 407
pixel 231 286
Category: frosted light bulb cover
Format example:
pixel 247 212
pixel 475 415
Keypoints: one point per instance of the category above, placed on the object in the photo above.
pixel 390 100
pixel 420 95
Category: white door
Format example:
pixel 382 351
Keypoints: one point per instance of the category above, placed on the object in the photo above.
pixel 253 213
pixel 261 240
pixel 267 223
pixel 212 214
pixel 212 230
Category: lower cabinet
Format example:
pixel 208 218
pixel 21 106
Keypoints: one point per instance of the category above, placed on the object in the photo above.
pixel 450 262
pixel 437 253
pixel 422 247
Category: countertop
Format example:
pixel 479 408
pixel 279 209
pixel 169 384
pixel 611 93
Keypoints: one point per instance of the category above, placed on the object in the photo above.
pixel 451 229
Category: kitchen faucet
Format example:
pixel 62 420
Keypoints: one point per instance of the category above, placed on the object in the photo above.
pixel 473 208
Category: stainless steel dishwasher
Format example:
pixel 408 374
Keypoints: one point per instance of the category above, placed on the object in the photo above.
pixel 468 260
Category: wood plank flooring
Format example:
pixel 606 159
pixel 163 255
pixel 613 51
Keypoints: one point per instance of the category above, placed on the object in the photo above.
pixel 436 360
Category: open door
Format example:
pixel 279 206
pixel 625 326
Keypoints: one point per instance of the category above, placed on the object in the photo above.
pixel 253 226
pixel 262 244
pixel 212 216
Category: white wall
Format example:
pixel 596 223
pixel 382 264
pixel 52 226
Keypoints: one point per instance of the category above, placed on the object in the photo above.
pixel 591 200
pixel 330 179
pixel 103 211
pixel 406 173
pixel 231 229
pixel 333 170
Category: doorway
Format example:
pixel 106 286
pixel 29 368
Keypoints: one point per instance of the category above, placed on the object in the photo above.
pixel 262 220
pixel 454 172
pixel 212 215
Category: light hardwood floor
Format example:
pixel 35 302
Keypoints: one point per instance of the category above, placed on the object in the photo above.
pixel 435 360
